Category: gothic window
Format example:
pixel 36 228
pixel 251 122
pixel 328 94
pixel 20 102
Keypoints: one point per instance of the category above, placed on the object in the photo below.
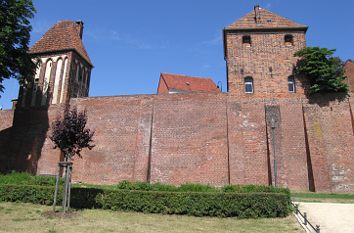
pixel 246 40
pixel 63 81
pixel 46 82
pixel 291 84
pixel 248 85
pixel 289 40
pixel 58 75
pixel 35 85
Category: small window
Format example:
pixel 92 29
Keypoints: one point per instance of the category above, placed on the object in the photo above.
pixel 248 85
pixel 289 40
pixel 291 84
pixel 246 40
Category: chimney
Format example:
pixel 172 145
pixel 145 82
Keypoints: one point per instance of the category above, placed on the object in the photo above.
pixel 80 26
pixel 257 15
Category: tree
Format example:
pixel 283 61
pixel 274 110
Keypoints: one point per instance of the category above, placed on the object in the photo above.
pixel 15 28
pixel 324 72
pixel 70 135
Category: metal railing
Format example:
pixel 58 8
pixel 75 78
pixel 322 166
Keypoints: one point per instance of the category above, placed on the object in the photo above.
pixel 306 222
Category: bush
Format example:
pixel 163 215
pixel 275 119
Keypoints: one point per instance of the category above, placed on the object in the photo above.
pixel 243 205
pixel 29 193
pixel 191 199
pixel 27 179
pixel 221 204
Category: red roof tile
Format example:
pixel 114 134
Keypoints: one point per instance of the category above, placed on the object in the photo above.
pixel 182 83
pixel 266 20
pixel 64 35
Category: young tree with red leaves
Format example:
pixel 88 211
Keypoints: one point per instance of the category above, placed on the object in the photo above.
pixel 70 135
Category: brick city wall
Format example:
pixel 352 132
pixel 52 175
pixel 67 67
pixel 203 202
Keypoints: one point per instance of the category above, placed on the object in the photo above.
pixel 213 139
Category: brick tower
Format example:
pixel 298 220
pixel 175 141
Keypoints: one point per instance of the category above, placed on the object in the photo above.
pixel 64 69
pixel 259 49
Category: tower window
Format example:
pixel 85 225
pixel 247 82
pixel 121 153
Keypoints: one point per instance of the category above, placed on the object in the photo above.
pixel 248 85
pixel 246 40
pixel 291 84
pixel 289 40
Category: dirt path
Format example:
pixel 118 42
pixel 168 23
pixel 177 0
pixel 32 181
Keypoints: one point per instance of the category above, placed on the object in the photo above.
pixel 333 217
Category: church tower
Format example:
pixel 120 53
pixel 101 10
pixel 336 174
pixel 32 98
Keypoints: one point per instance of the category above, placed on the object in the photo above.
pixel 259 52
pixel 64 67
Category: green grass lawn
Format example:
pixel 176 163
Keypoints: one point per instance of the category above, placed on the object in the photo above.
pixel 21 217
pixel 323 197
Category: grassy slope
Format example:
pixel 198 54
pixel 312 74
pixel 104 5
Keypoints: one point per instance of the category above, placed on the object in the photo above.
pixel 19 217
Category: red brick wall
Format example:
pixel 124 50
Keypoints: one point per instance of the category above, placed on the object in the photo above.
pixel 247 142
pixel 122 135
pixel 267 50
pixel 206 138
pixel 162 88
pixel 6 118
pixel 330 134
pixel 349 72
pixel 189 140
pixel 290 144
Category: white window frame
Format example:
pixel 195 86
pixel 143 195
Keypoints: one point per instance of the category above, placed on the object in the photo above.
pixel 249 81
pixel 291 81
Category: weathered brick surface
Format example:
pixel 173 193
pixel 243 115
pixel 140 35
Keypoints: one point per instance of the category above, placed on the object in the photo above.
pixel 206 138
pixel 269 61
pixel 349 72
pixel 189 140
pixel 330 133
pixel 288 134
pixel 122 134
pixel 247 142
pixel 6 119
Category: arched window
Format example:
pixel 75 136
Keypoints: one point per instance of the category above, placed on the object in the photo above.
pixel 63 81
pixel 248 85
pixel 46 82
pixel 35 85
pixel 289 39
pixel 291 84
pixel 246 40
pixel 57 81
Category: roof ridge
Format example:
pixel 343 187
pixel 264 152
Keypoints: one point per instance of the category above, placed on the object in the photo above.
pixel 184 75
pixel 269 20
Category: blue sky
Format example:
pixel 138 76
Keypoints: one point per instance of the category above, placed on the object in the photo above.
pixel 131 41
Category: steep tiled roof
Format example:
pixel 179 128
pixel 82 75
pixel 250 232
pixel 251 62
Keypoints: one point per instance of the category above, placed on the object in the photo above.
pixel 182 83
pixel 64 35
pixel 266 20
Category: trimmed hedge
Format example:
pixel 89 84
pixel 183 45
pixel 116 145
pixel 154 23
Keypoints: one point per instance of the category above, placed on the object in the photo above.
pixel 29 193
pixel 243 205
pixel 25 178
pixel 221 204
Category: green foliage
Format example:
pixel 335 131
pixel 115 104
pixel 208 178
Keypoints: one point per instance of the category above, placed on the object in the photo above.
pixel 15 30
pixel 324 72
pixel 250 201
pixel 23 178
pixel 221 204
pixel 254 188
pixel 243 205
pixel 28 193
